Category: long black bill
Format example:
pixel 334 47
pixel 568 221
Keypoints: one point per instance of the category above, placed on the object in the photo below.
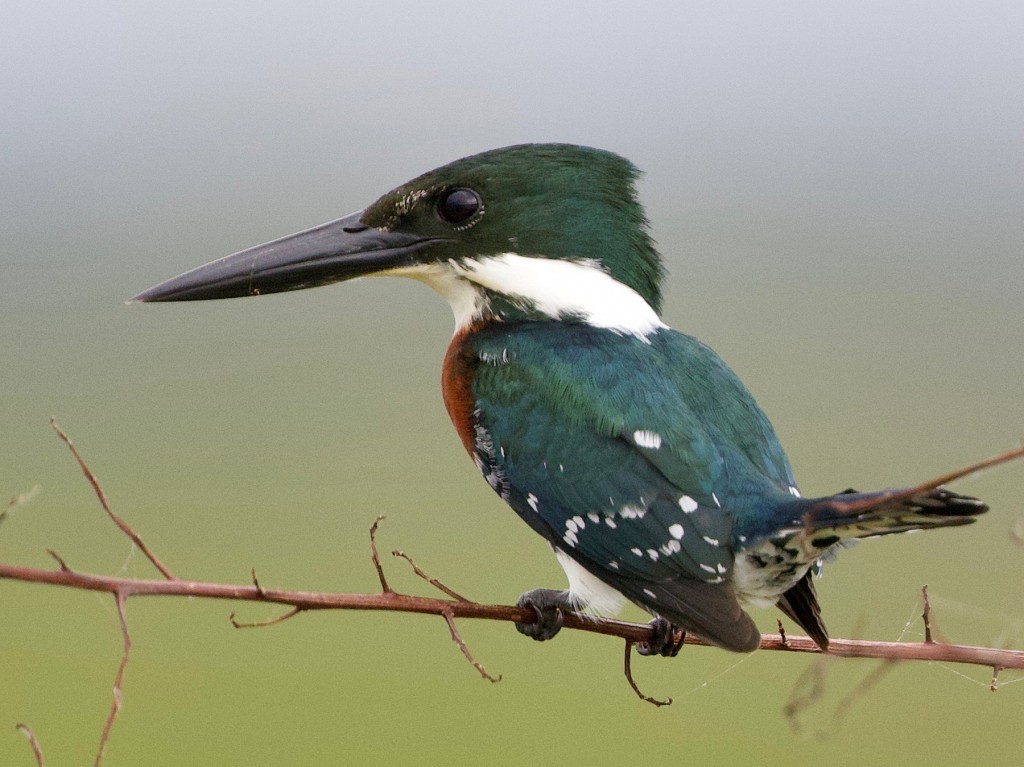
pixel 332 252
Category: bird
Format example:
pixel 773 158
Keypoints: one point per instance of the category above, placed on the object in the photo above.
pixel 630 447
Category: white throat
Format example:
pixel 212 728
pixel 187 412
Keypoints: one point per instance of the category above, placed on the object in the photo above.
pixel 554 288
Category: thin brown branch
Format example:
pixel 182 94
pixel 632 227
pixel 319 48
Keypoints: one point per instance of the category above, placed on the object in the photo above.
pixel 449 618
pixel 432 581
pixel 376 557
pixel 102 496
pixel 115 704
pixel 37 750
pixel 459 607
pixel 627 669
pixel 782 630
pixel 395 602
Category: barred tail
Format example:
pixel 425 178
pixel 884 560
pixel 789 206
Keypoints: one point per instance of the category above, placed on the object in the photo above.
pixel 818 524
pixel 851 515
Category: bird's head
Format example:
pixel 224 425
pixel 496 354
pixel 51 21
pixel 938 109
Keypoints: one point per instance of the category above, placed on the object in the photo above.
pixel 550 230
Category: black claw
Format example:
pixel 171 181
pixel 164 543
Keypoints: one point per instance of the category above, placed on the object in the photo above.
pixel 667 640
pixel 549 606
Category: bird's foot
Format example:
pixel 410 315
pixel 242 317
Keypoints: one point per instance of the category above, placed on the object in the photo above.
pixel 667 640
pixel 550 606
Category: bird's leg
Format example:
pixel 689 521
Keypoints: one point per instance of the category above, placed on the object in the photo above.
pixel 550 606
pixel 665 641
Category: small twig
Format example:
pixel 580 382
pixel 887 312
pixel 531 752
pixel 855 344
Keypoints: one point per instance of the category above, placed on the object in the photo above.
pixel 256 583
pixel 37 750
pixel 926 615
pixel 102 496
pixel 782 632
pixel 432 581
pixel 115 705
pixel 270 622
pixel 376 557
pixel 449 618
pixel 932 632
pixel 994 686
pixel 627 669
pixel 60 560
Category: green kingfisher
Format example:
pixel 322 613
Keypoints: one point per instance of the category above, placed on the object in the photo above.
pixel 630 447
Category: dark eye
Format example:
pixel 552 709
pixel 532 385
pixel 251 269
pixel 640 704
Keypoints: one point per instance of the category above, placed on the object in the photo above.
pixel 457 205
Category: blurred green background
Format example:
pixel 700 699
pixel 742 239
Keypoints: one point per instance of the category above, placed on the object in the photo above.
pixel 838 190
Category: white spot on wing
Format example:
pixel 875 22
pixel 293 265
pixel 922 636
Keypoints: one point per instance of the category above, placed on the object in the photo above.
pixel 671 548
pixel 531 501
pixel 632 512
pixel 687 504
pixel 676 530
pixel 648 439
